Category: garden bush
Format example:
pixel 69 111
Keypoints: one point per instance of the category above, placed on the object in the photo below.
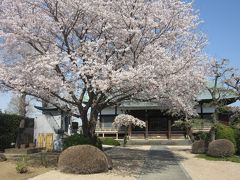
pixel 226 132
pixel 238 141
pixel 110 141
pixel 110 163
pixel 79 139
pixel 21 166
pixel 199 147
pixel 200 135
pixel 83 159
pixel 221 148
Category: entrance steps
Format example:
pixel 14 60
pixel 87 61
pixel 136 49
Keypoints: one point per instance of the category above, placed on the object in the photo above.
pixel 158 136
pixel 176 142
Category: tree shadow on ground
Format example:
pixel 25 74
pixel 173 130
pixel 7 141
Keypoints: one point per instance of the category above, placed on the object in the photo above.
pixel 134 162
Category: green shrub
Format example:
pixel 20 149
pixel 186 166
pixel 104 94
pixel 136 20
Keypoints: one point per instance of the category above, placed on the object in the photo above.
pixel 199 147
pixel 221 148
pixel 200 135
pixel 238 141
pixel 79 139
pixel 110 141
pixel 21 166
pixel 226 132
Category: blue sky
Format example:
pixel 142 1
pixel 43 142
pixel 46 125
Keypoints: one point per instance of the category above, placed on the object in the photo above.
pixel 222 26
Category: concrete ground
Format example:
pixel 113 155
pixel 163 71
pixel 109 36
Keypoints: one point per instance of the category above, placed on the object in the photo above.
pixel 162 164
pixel 201 169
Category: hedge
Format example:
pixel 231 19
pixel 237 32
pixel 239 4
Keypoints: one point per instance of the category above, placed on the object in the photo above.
pixel 110 141
pixel 79 139
pixel 8 129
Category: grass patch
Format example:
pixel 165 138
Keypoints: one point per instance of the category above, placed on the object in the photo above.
pixel 110 141
pixel 234 158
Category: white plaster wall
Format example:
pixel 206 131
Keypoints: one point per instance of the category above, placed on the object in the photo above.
pixel 56 118
pixel 119 111
pixel 206 109
pixel 79 120
pixel 41 125
pixel 108 110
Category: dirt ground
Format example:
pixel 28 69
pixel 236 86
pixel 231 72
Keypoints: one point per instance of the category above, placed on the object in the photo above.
pixel 8 171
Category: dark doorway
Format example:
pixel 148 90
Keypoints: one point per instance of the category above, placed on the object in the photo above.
pixel 158 124
pixel 157 120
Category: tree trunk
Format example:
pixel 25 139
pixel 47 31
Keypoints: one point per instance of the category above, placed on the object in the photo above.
pixel 215 122
pixel 85 128
pixel 23 112
pixel 93 122
pixel 89 124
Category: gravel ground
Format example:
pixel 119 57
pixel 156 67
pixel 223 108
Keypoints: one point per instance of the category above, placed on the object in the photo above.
pixel 129 163
pixel 145 162
pixel 56 175
pixel 201 169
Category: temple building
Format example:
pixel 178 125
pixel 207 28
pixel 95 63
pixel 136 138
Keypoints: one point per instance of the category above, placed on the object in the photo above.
pixel 52 125
pixel 159 123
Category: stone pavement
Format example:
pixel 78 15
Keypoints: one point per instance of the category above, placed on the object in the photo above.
pixel 161 164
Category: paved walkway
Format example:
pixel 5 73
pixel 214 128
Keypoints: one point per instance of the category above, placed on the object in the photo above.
pixel 161 164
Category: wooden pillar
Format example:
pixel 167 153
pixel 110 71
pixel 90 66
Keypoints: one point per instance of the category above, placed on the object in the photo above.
pixel 169 128
pixel 100 120
pixel 146 121
pixel 201 106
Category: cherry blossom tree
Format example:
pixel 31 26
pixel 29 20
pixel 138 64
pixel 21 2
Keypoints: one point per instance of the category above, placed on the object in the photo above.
pixel 234 83
pixel 127 121
pixel 109 51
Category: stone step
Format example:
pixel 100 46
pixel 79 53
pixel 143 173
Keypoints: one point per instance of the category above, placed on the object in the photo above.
pixel 179 142
pixel 158 136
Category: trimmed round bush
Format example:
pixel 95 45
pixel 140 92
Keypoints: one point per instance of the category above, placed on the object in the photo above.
pixel 199 147
pixel 2 157
pixel 83 159
pixel 109 159
pixel 221 148
pixel 79 139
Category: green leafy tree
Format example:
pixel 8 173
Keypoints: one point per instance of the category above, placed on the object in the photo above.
pixel 219 73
